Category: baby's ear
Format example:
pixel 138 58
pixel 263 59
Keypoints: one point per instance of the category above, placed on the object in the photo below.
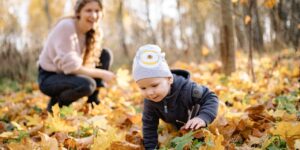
pixel 171 80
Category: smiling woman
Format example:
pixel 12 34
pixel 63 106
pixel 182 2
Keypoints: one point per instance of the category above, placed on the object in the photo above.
pixel 72 63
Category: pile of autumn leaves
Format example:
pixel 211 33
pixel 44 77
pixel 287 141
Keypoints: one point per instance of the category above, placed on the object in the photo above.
pixel 256 112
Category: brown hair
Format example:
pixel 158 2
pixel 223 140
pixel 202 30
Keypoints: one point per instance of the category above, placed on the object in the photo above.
pixel 92 37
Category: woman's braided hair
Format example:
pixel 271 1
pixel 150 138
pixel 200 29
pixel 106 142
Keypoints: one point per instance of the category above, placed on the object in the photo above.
pixel 92 37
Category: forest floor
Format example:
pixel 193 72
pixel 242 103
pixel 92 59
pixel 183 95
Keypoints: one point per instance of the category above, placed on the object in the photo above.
pixel 255 112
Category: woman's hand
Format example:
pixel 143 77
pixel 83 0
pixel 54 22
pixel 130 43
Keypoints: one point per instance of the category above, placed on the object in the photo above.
pixel 107 76
pixel 195 123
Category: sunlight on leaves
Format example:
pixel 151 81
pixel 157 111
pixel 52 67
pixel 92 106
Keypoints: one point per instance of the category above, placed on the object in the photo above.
pixel 123 78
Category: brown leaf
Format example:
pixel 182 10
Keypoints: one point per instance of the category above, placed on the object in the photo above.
pixel 242 125
pixel 257 133
pixel 83 143
pixel 34 130
pixel 124 145
pixel 258 109
pixel 246 132
pixel 134 137
pixel 70 143
pixel 228 130
pixel 2 126
pixel 60 136
pixel 47 142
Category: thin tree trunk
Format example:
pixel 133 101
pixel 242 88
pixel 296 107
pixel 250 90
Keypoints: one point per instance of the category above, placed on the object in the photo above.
pixel 163 30
pixel 294 30
pixel 250 56
pixel 227 41
pixel 47 12
pixel 122 29
pixel 278 30
pixel 258 35
pixel 240 29
pixel 153 38
pixel 196 41
pixel 182 37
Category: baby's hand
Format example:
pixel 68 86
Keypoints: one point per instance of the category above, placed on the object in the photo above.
pixel 195 123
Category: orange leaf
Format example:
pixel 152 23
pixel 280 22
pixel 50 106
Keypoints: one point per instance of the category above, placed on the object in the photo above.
pixel 247 20
pixel 124 145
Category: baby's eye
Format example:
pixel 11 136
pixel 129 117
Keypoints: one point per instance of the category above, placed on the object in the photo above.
pixel 88 10
pixel 154 85
pixel 143 88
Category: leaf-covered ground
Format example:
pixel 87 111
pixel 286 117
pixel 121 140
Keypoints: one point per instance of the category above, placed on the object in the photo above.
pixel 252 115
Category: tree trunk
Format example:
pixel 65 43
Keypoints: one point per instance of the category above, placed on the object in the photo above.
pixel 47 12
pixel 250 56
pixel 257 37
pixel 182 36
pixel 153 38
pixel 122 33
pixel 163 30
pixel 227 41
pixel 240 29
pixel 294 31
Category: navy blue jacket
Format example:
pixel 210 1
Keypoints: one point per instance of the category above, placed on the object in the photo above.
pixel 174 108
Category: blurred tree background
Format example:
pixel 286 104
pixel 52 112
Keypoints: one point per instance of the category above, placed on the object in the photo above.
pixel 187 30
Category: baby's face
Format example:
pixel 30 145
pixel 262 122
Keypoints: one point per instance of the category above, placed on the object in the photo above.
pixel 155 89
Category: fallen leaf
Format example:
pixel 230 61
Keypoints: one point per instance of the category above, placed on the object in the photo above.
pixel 48 143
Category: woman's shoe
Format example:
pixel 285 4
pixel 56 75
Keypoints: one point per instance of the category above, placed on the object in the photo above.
pixel 51 103
pixel 94 98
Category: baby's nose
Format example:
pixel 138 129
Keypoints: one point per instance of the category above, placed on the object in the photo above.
pixel 150 93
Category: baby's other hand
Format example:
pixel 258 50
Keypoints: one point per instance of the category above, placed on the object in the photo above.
pixel 195 123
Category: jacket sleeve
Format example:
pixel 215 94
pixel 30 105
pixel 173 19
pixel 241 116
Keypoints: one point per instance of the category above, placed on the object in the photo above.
pixel 150 124
pixel 208 102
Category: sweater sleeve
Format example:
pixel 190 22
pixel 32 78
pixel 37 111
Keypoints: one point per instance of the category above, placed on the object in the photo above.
pixel 208 102
pixel 66 45
pixel 150 124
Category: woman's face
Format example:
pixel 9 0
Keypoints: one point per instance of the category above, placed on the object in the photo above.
pixel 89 16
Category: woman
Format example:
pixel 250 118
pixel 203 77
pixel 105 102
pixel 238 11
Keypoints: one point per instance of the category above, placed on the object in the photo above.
pixel 69 65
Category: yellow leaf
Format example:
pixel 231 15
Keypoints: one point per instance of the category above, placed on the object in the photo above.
pixel 103 140
pixel 123 78
pixel 277 113
pixel 55 123
pixel 247 19
pixel 19 127
pixel 6 134
pixel 204 51
pixel 284 129
pixel 270 3
pixel 234 1
pixel 297 144
pixel 33 120
pixel 243 2
pixel 25 144
pixel 215 140
pixel 99 121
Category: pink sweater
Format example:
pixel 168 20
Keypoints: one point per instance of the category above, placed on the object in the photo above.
pixel 63 50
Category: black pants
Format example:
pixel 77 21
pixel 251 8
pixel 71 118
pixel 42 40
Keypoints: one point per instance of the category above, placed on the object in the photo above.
pixel 66 89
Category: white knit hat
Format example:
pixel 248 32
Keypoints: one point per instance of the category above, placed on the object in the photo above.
pixel 149 62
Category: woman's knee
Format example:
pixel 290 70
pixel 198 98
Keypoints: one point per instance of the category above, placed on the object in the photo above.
pixel 88 86
pixel 106 59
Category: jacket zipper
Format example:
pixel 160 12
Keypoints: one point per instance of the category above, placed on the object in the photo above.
pixel 165 107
